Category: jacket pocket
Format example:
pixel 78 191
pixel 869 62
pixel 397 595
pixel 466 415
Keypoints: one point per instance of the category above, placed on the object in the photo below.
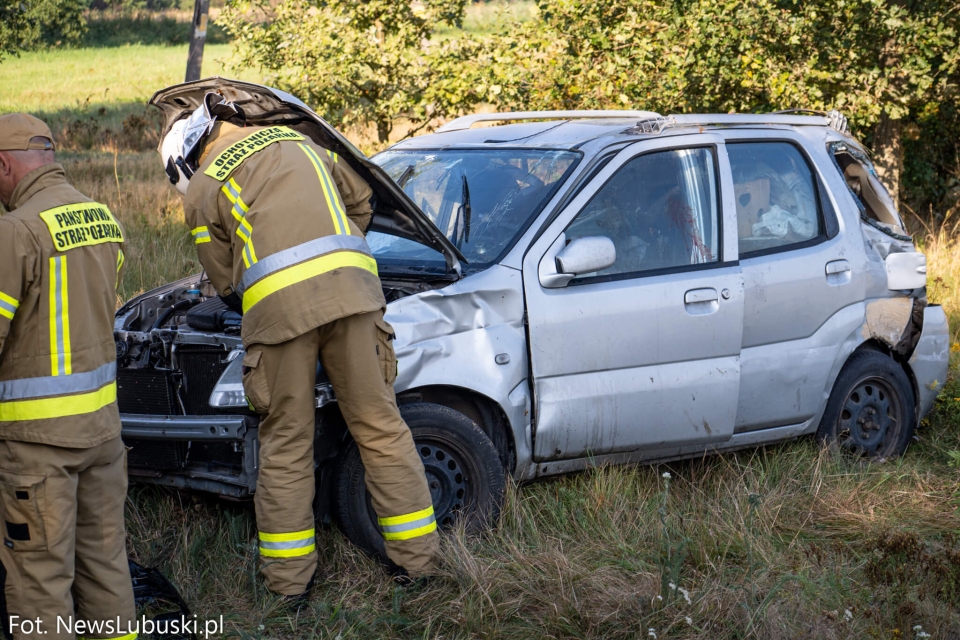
pixel 255 383
pixel 388 358
pixel 24 508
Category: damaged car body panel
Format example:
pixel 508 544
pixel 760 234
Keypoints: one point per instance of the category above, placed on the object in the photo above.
pixel 629 292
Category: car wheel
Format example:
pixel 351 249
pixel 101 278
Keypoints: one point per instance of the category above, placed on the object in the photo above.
pixel 871 412
pixel 463 470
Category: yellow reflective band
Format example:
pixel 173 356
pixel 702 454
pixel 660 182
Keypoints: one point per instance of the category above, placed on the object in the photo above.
pixel 249 255
pixel 8 306
pixel 286 537
pixel 409 525
pixel 200 235
pixel 81 225
pixel 404 519
pixel 304 271
pixel 340 224
pixel 288 553
pixel 60 359
pixel 411 533
pixel 119 266
pixel 129 636
pixel 332 155
pixel 59 407
pixel 233 156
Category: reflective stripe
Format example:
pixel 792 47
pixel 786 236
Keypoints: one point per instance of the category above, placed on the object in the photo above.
pixel 59 407
pixel 60 360
pixel 129 636
pixel 410 525
pixel 119 266
pixel 8 305
pixel 245 230
pixel 329 191
pixel 304 271
pixel 44 386
pixel 287 545
pixel 289 257
pixel 333 155
pixel 200 235
pixel 249 255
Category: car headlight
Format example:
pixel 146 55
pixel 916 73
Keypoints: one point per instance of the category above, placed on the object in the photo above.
pixel 228 392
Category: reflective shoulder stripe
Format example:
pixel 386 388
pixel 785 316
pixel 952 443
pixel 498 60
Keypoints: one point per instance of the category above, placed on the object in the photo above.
pixel 330 193
pixel 58 407
pixel 8 305
pixel 287 545
pixel 200 235
pixel 289 257
pixel 81 225
pixel 410 525
pixel 332 155
pixel 31 388
pixel 233 156
pixel 60 359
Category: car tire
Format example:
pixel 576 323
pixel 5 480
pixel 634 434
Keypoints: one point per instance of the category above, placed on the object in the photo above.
pixel 871 412
pixel 463 470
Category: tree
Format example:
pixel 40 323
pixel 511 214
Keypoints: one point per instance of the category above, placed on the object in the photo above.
pixel 25 24
pixel 371 62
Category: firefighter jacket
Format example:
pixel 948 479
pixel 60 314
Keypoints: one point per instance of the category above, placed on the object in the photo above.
pixel 60 260
pixel 280 221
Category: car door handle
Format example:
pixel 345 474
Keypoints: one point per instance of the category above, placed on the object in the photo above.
pixel 838 272
pixel 700 302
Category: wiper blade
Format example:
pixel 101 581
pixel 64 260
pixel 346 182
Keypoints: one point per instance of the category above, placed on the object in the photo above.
pixel 466 209
pixel 405 176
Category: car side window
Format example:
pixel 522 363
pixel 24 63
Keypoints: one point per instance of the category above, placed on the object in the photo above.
pixel 775 190
pixel 660 210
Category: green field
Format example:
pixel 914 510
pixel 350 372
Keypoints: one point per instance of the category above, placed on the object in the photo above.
pixel 779 542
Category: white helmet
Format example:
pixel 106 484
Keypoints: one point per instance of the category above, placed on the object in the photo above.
pixel 180 148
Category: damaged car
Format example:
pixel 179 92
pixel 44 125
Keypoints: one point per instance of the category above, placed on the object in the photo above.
pixel 572 289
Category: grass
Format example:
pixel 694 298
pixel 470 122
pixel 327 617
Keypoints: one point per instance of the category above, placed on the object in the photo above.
pixel 775 542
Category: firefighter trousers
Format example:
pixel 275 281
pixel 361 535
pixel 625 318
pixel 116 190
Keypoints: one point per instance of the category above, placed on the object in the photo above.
pixel 279 380
pixel 64 545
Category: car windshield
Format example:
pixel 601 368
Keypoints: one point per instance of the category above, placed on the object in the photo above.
pixel 482 199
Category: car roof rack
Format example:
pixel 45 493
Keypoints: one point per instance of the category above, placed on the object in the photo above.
pixel 792 117
pixel 465 122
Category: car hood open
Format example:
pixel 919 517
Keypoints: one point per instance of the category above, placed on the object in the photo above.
pixel 396 214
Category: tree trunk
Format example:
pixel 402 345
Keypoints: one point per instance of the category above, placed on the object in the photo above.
pixel 888 154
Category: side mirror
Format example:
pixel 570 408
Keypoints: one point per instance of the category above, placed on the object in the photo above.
pixel 581 256
pixel 587 255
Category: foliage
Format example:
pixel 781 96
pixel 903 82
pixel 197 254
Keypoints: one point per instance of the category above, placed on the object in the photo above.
pixel 357 63
pixel 25 24
pixel 864 57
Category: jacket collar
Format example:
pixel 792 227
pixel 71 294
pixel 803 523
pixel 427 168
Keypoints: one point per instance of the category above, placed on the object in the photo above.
pixel 37 180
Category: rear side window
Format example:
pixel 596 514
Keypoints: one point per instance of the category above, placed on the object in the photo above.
pixel 661 211
pixel 777 202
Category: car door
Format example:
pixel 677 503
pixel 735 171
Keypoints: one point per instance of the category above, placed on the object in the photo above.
pixel 802 278
pixel 645 352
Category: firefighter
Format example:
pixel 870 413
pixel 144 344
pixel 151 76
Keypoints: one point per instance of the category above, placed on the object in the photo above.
pixel 63 476
pixel 279 224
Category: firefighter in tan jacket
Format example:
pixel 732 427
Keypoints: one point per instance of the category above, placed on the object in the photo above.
pixel 62 464
pixel 279 227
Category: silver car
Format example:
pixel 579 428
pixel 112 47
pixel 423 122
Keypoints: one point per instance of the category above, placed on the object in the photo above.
pixel 575 289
